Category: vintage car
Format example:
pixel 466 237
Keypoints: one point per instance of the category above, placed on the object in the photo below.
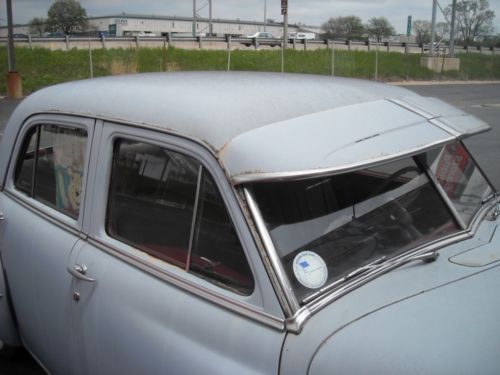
pixel 223 224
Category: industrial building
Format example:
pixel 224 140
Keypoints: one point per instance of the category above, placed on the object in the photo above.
pixel 144 25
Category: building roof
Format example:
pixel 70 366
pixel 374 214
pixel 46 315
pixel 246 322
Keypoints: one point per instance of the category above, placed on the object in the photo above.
pixel 263 125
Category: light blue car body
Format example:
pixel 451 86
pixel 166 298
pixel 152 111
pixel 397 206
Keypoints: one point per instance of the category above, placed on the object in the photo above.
pixel 141 315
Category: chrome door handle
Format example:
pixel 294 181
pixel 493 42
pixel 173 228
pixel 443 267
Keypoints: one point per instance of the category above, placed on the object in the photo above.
pixel 78 271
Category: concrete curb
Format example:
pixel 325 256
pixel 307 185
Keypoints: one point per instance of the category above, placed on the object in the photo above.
pixel 426 83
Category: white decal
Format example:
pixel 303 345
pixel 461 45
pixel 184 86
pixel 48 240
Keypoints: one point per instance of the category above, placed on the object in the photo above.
pixel 310 269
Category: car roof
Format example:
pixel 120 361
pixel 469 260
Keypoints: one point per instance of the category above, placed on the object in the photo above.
pixel 261 125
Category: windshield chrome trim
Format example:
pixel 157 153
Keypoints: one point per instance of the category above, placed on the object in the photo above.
pixel 330 171
pixel 283 280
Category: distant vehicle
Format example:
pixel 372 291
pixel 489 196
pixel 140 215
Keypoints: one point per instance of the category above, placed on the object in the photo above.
pixel 55 35
pixel 302 36
pixel 146 34
pixel 20 36
pixel 263 35
pixel 437 47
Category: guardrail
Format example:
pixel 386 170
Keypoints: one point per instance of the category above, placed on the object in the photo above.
pixel 81 42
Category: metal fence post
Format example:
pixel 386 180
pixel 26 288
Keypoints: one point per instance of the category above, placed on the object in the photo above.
pixel 388 44
pixel 29 42
pixel 164 55
pixel 369 45
pixel 333 58
pixel 67 41
pixel 293 43
pixel 169 38
pixel 103 40
pixel 376 64
pixel 348 45
pixel 229 53
pixel 91 65
pixel 256 43
pixel 200 42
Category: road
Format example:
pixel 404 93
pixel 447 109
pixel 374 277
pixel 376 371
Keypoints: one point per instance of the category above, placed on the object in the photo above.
pixel 481 100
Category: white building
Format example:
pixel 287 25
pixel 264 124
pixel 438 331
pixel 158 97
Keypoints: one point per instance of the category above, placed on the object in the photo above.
pixel 132 24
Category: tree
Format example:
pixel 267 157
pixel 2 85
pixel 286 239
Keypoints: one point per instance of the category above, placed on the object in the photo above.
pixel 379 27
pixel 473 19
pixel 350 27
pixel 37 26
pixel 443 30
pixel 67 16
pixel 422 31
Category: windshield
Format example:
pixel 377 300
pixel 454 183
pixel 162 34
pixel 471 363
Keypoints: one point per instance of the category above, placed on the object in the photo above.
pixel 323 228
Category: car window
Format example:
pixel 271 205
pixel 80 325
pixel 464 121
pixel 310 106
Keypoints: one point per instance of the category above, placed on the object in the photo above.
pixel 324 228
pixel 50 167
pixel 217 253
pixel 460 178
pixel 164 203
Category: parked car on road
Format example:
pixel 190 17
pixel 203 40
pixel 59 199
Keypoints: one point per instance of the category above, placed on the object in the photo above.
pixel 170 230
pixel 264 38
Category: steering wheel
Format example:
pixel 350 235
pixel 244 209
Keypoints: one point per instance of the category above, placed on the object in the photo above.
pixel 400 216
pixel 393 177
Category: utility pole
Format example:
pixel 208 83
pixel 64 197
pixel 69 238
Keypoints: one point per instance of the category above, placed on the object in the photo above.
pixel 284 12
pixel 452 28
pixel 433 28
pixel 210 27
pixel 265 14
pixel 14 88
pixel 194 18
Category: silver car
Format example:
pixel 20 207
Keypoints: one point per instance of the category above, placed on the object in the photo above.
pixel 246 223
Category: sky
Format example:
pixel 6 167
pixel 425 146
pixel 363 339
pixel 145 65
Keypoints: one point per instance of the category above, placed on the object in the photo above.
pixel 310 12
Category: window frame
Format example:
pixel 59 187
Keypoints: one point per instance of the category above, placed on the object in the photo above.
pixel 112 131
pixel 36 205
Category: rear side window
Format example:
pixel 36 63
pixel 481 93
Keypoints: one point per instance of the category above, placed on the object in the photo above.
pixel 167 205
pixel 50 167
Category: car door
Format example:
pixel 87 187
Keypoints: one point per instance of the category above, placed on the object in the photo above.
pixel 42 208
pixel 173 282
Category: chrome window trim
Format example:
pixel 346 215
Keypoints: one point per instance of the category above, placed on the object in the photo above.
pixel 193 219
pixel 291 301
pixel 229 303
pixel 298 175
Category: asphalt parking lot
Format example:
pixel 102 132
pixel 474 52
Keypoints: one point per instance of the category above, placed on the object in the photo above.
pixel 481 100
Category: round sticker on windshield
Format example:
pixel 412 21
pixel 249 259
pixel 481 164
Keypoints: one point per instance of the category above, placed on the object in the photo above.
pixel 310 269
